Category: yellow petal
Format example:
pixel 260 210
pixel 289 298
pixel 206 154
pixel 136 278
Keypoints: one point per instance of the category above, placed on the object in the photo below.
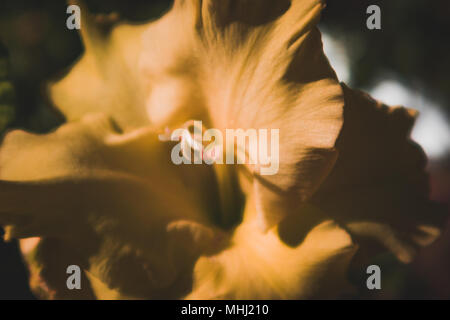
pixel 108 199
pixel 138 74
pixel 260 265
pixel 265 69
pixel 107 77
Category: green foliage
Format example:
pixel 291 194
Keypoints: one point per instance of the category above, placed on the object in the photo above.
pixel 7 96
pixel 3 68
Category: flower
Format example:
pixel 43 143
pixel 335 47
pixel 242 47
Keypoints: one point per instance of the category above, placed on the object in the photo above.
pixel 101 192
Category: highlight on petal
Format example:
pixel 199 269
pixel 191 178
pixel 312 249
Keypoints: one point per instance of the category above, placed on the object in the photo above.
pixel 265 69
pixel 138 74
pixel 378 188
pixel 107 77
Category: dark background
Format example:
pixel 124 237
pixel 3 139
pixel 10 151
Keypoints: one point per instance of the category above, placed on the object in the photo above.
pixel 413 46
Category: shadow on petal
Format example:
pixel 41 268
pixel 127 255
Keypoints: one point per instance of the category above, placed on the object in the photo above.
pixel 379 188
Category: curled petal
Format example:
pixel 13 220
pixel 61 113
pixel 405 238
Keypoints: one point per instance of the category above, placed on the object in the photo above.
pixel 48 259
pixel 107 77
pixel 379 188
pixel 108 199
pixel 265 266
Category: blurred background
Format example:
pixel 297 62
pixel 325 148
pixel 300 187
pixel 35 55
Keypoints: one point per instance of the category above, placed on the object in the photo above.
pixel 407 63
